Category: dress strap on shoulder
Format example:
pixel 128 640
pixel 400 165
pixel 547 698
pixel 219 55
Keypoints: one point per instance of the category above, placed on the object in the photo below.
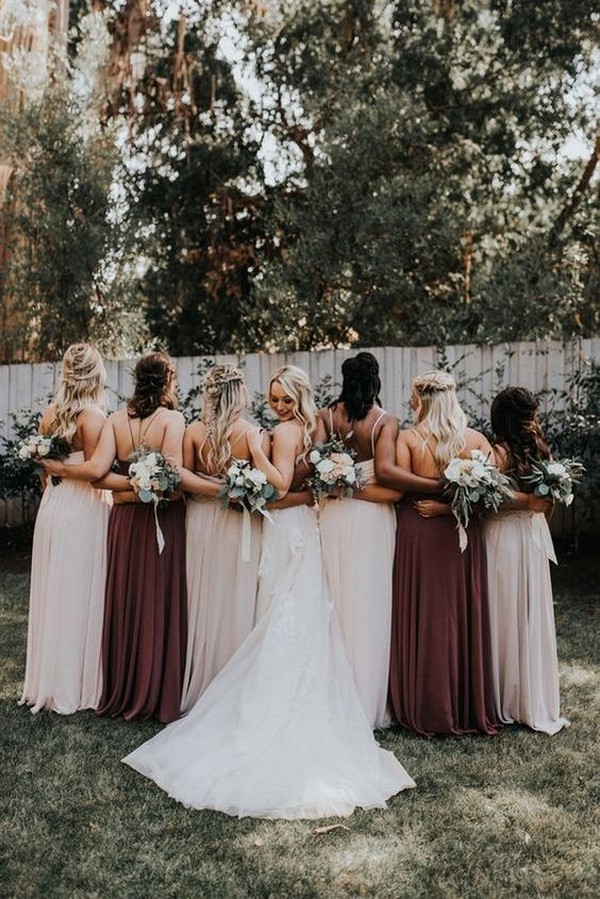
pixel 330 410
pixel 374 428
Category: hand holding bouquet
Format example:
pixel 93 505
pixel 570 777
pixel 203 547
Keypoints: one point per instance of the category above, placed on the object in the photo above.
pixel 335 471
pixel 153 478
pixel 246 487
pixel 554 479
pixel 39 447
pixel 473 484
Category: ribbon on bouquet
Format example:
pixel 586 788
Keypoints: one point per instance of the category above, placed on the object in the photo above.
pixel 463 540
pixel 542 537
pixel 247 531
pixel 160 539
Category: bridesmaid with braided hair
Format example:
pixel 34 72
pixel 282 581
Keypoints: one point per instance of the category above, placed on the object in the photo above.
pixel 221 581
pixel 68 565
pixel 358 534
pixel 519 547
pixel 440 671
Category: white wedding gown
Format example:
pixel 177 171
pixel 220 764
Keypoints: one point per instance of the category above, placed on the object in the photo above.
pixel 280 732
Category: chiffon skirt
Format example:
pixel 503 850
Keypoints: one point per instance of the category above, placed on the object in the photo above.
pixel 68 568
pixel 280 732
pixel 145 618
pixel 441 675
pixel 222 587
pixel 525 664
pixel 358 540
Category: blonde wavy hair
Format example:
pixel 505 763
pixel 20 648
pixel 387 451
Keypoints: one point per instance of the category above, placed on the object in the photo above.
pixel 439 415
pixel 82 382
pixel 296 385
pixel 225 398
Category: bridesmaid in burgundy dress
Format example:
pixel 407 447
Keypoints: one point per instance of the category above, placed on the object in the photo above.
pixel 145 615
pixel 440 668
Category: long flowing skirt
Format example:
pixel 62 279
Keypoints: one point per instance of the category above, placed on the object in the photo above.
pixel 222 589
pixel 68 569
pixel 280 732
pixel 358 540
pixel 440 672
pixel 525 664
pixel 145 618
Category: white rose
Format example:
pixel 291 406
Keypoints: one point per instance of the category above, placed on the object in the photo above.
pixel 43 449
pixel 239 481
pixel 24 453
pixel 314 457
pixel 351 476
pixel 557 468
pixel 325 466
pixel 257 477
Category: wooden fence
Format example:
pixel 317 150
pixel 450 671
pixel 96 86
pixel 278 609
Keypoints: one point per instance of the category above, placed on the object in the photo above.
pixel 544 367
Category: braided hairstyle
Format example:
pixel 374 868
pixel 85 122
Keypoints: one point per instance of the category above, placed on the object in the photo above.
pixel 225 398
pixel 361 385
pixel 154 385
pixel 516 428
pixel 82 382
pixel 439 414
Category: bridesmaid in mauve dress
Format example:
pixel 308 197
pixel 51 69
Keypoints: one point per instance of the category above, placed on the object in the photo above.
pixel 440 667
pixel 145 615
pixel 68 564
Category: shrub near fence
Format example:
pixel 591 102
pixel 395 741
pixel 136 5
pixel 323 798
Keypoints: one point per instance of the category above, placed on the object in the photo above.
pixel 564 376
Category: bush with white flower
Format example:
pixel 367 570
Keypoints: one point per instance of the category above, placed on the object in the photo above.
pixel 554 479
pixel 474 484
pixel 335 471
pixel 246 487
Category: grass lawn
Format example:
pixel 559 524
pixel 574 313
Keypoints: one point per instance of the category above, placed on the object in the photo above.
pixel 514 815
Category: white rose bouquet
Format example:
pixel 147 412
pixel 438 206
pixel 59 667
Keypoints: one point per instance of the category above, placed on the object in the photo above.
pixel 554 479
pixel 472 484
pixel 153 478
pixel 38 447
pixel 335 470
pixel 246 487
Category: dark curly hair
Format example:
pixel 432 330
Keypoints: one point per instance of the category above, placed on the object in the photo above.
pixel 154 385
pixel 517 429
pixel 361 385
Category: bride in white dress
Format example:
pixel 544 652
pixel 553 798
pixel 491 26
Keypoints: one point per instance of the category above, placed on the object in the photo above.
pixel 280 732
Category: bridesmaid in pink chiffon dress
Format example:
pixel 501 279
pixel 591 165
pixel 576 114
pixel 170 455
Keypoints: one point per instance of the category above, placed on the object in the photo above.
pixel 68 564
pixel 145 615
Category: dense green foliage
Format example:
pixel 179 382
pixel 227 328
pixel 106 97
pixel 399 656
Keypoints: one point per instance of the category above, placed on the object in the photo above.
pixel 295 174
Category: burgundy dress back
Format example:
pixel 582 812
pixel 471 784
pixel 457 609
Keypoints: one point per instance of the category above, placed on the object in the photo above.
pixel 440 668
pixel 145 614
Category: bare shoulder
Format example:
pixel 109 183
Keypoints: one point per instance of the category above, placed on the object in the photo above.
pixel 501 456
pixel 175 418
pixel 195 430
pixel 407 437
pixel 47 419
pixel 476 440
pixel 92 414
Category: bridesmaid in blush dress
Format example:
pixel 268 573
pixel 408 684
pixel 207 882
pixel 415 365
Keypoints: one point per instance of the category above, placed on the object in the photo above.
pixel 519 547
pixel 440 671
pixel 222 582
pixel 68 564
pixel 358 534
pixel 145 615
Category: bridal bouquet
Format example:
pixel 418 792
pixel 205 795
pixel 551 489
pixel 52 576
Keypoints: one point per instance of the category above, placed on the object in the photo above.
pixel 335 470
pixel 246 487
pixel 153 477
pixel 38 447
pixel 554 479
pixel 474 483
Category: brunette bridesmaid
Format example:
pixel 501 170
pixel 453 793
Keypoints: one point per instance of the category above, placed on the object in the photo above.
pixel 145 616
pixel 519 547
